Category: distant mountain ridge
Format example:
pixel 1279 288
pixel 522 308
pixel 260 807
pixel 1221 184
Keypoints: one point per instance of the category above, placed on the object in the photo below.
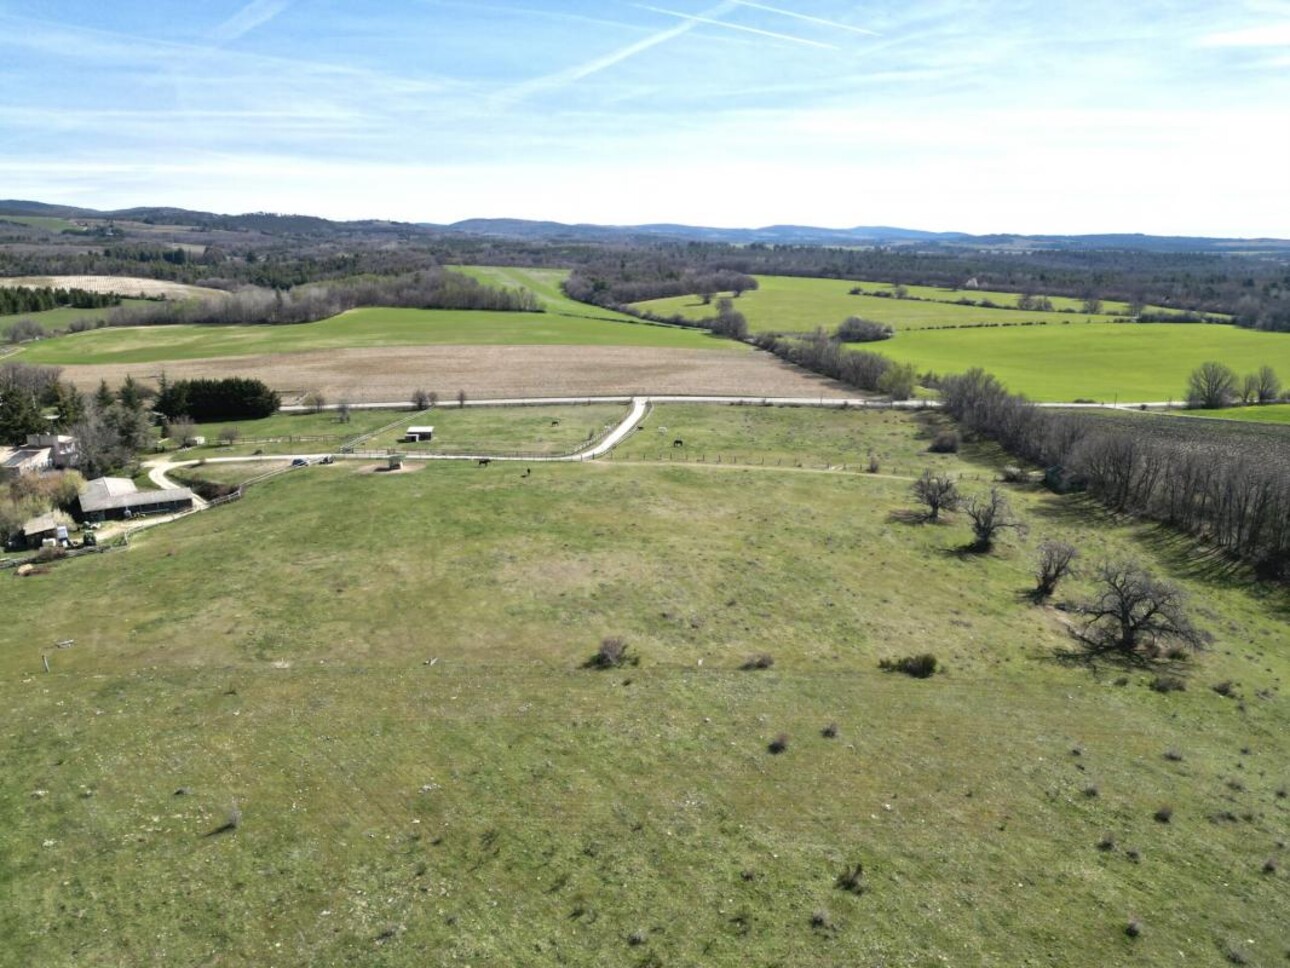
pixel 804 235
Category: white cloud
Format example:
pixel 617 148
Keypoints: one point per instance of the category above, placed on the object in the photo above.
pixel 253 15
pixel 1264 35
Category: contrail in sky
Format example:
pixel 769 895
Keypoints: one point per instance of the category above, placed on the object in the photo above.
pixel 254 14
pixel 706 18
pixel 575 74
pixel 810 20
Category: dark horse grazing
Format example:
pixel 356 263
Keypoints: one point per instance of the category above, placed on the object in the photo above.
pixel 485 461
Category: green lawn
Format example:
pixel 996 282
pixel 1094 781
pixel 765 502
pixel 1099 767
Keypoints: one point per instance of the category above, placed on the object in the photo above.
pixel 383 673
pixel 361 328
pixel 1127 361
pixel 796 304
pixel 43 222
pixel 1275 413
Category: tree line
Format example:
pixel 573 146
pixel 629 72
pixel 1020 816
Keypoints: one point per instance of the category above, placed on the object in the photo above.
pixel 1230 490
pixel 39 299
pixel 206 400
pixel 427 289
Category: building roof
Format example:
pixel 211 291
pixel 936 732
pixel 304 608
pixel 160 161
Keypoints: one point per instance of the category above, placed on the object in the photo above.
pixel 39 525
pixel 112 493
pixel 420 430
pixel 26 455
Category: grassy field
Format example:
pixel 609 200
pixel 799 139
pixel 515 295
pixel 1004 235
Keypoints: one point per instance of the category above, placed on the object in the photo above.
pixel 358 329
pixel 60 318
pixel 506 430
pixel 795 304
pixel 1275 413
pixel 425 774
pixel 1131 361
pixel 42 222
pixel 544 283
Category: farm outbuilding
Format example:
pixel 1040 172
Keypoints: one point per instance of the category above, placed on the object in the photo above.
pixel 117 497
pixel 417 435
pixel 36 531
pixel 24 460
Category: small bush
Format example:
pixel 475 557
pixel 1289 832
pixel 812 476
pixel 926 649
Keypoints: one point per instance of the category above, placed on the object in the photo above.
pixel 1091 791
pixel 830 731
pixel 919 666
pixel 873 464
pixel 1133 854
pixel 778 745
pixel 1168 684
pixel 1224 688
pixel 1270 865
pixel 852 880
pixel 1134 928
pixel 612 654
pixel 945 442
pixel 637 938
pixel 1015 475
pixel 763 660
pixel 1107 843
pixel 1236 955
pixel 1173 756
pixel 821 919
pixel 1164 814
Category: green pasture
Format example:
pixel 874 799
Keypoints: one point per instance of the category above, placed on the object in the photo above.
pixel 62 317
pixel 42 222
pixel 357 329
pixel 797 304
pixel 505 430
pixel 1274 413
pixel 787 437
pixel 544 283
pixel 382 674
pixel 1125 361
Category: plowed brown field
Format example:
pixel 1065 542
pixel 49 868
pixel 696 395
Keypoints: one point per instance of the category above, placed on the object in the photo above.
pixel 393 373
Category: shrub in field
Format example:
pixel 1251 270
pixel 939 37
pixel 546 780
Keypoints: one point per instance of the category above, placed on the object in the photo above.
pixel 852 879
pixel 779 744
pixel 1055 558
pixel 919 666
pixel 945 442
pixel 937 492
pixel 1168 684
pixel 1136 615
pixel 763 660
pixel 611 654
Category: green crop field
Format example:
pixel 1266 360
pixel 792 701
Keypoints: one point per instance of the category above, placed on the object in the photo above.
pixel 796 304
pixel 1276 413
pixel 360 328
pixel 506 430
pixel 422 772
pixel 1128 361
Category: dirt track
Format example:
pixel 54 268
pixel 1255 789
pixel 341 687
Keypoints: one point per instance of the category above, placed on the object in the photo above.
pixel 393 373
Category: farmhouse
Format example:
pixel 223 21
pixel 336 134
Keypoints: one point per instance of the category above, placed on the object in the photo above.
pixel 117 497
pixel 419 434
pixel 62 449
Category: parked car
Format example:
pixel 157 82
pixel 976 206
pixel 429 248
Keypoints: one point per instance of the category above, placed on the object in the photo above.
pixel 300 462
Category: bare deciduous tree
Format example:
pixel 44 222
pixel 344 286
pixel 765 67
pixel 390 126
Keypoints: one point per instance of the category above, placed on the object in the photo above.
pixel 461 398
pixel 343 413
pixel 420 400
pixel 1269 386
pixel 938 492
pixel 1136 614
pixel 1211 385
pixel 991 514
pixel 1055 560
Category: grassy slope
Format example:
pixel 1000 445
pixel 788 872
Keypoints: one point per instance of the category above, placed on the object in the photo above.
pixel 794 304
pixel 1063 363
pixel 504 806
pixel 360 328
pixel 60 318
pixel 544 283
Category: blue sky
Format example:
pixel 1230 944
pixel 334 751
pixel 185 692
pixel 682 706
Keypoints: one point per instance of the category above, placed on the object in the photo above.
pixel 1162 116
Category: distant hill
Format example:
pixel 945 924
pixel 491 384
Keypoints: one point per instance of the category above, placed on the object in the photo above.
pixel 860 236
pixel 269 223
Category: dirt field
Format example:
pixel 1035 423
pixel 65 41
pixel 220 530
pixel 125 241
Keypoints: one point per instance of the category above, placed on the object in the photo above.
pixel 388 374
pixel 122 285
